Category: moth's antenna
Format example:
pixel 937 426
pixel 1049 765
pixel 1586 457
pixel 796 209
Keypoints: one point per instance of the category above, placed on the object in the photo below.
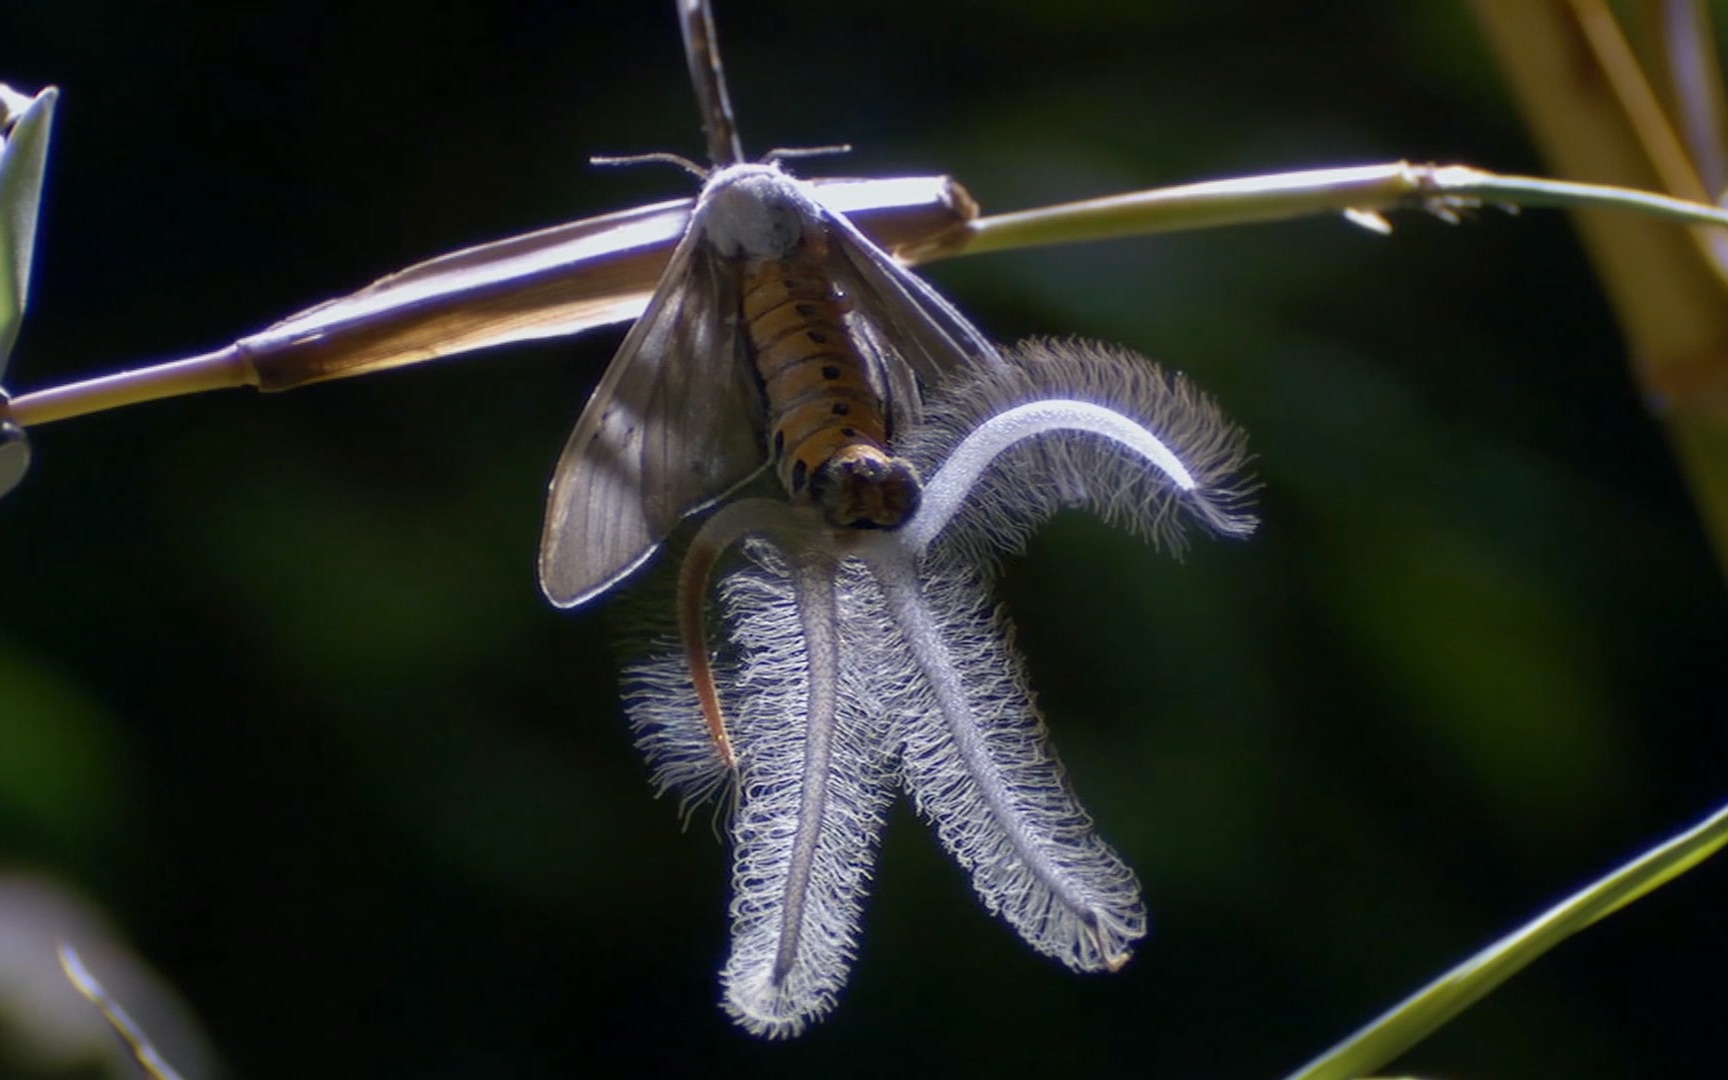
pixel 787 153
pixel 656 158
pixel 702 51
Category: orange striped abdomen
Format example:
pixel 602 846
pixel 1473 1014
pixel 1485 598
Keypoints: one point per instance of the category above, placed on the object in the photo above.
pixel 827 417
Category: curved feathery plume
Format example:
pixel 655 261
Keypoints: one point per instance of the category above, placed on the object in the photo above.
pixel 812 801
pixel 977 761
pixel 1007 448
pixel 812 780
pixel 856 662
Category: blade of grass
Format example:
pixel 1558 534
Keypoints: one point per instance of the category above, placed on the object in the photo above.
pixel 1424 1012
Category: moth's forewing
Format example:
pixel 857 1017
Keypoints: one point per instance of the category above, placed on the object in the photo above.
pixel 674 424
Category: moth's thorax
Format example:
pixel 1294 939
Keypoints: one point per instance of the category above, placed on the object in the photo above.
pixel 755 212
pixel 826 406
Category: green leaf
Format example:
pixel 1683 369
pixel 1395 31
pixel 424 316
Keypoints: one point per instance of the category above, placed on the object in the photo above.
pixel 1433 1006
pixel 24 127
pixel 25 123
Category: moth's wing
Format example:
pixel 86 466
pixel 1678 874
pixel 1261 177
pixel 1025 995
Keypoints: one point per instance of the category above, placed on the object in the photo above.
pixel 675 423
pixel 908 326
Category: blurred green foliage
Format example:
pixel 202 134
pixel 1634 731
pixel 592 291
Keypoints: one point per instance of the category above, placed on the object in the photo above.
pixel 277 688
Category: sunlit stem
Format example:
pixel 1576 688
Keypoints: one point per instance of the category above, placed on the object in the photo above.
pixel 1370 189
pixel 224 369
pixel 505 292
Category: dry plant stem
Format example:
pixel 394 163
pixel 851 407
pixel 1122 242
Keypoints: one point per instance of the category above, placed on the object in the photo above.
pixel 1366 191
pixel 1202 206
pixel 224 369
pixel 598 271
pixel 702 54
pixel 1590 109
pixel 552 283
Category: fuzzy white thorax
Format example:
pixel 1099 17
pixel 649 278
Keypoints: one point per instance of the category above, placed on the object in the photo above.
pixel 756 212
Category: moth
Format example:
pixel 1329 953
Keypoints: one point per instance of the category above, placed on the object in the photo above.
pixel 867 657
pixel 779 335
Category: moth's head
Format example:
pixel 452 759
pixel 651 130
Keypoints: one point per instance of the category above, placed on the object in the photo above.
pixel 754 212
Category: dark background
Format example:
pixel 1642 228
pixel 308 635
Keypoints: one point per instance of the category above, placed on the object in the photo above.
pixel 278 691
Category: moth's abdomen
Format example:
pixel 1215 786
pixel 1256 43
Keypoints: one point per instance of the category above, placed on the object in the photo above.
pixel 828 420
